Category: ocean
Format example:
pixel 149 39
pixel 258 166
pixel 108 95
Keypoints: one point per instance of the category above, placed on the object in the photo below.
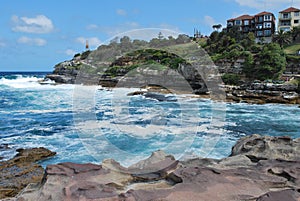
pixel 89 123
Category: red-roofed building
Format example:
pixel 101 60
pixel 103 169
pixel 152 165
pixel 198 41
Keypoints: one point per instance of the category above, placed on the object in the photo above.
pixel 245 22
pixel 289 18
pixel 265 23
pixel 262 25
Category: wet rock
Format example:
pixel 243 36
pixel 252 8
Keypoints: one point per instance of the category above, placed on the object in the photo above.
pixel 17 173
pixel 109 181
pixel 257 147
pixel 61 79
pixel 286 195
pixel 161 97
pixel 260 168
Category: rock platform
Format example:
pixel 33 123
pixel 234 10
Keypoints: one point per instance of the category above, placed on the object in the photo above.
pixel 260 168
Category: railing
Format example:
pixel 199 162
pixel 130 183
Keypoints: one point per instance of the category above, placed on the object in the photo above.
pixel 285 17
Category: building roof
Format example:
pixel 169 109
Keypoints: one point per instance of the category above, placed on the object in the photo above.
pixel 264 13
pixel 290 9
pixel 242 17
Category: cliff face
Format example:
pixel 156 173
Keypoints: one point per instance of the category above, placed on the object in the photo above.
pixel 142 67
pixel 136 69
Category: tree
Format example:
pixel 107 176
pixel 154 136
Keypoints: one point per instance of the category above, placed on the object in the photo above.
pixel 249 41
pixel 214 36
pixel 182 38
pixel 235 32
pixel 160 36
pixel 125 42
pixel 295 33
pixel 217 27
pixel 271 63
pixel 282 38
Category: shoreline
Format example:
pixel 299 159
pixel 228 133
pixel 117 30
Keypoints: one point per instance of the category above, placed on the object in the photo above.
pixel 257 168
pixel 234 94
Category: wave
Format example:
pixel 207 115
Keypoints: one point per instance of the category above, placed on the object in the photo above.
pixel 19 81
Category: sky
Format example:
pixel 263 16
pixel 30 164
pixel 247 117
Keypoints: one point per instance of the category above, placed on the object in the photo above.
pixel 37 34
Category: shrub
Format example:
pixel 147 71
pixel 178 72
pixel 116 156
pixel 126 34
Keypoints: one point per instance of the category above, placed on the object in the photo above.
pixel 231 79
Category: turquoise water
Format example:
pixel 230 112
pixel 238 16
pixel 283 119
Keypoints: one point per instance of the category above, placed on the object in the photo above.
pixel 65 119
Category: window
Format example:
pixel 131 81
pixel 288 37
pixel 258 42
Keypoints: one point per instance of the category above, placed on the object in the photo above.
pixel 285 15
pixel 229 24
pixel 260 19
pixel 259 33
pixel 246 22
pixel 285 23
pixel 237 22
pixel 285 29
pixel 267 25
pixel 268 17
pixel 267 32
pixel 259 26
pixel 296 21
pixel 297 13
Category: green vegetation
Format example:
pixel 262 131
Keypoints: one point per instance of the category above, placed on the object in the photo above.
pixel 292 49
pixel 282 38
pixel 155 58
pixel 261 60
pixel 272 63
pixel 231 79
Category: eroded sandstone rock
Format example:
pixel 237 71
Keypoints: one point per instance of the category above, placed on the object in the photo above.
pixel 17 173
pixel 260 168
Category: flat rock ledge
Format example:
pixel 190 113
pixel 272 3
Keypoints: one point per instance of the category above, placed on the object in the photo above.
pixel 260 168
pixel 17 173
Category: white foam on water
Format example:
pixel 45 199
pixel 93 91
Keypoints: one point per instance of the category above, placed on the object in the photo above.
pixel 25 82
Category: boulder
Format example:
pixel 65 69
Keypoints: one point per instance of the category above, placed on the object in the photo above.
pixel 257 147
pixel 17 173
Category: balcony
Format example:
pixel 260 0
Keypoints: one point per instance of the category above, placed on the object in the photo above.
pixel 285 17
pixel 285 24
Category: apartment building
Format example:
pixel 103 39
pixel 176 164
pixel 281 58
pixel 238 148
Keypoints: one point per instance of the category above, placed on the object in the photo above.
pixel 261 24
pixel 265 23
pixel 288 18
pixel 245 22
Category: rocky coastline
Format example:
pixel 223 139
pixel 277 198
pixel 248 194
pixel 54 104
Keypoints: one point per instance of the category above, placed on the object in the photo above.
pixel 253 93
pixel 260 168
pixel 148 67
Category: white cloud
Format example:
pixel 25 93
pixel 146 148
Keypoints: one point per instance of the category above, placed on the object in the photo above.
pixel 93 41
pixel 208 20
pixel 39 24
pixel 121 12
pixel 114 30
pixel 268 5
pixel 32 41
pixel 70 52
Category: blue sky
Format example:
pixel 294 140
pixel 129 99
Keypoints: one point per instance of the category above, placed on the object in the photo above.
pixel 35 35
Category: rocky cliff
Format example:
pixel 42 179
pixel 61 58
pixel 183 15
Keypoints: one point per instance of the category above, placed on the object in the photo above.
pixel 259 168
pixel 142 67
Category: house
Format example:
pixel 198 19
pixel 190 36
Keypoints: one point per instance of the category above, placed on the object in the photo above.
pixel 245 22
pixel 265 23
pixel 288 18
pixel 262 25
